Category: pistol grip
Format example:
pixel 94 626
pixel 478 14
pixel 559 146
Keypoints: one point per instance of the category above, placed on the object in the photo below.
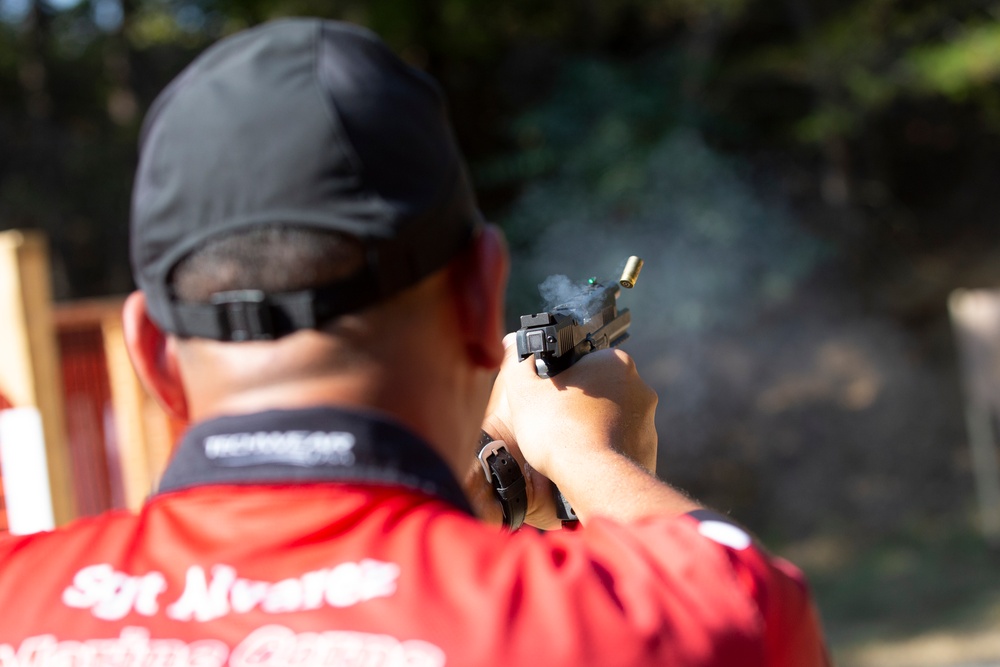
pixel 563 509
pixel 543 368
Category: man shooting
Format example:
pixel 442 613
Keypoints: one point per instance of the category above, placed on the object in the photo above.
pixel 319 298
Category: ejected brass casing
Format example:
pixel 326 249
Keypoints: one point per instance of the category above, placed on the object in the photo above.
pixel 631 273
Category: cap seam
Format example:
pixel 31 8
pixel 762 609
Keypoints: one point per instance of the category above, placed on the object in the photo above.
pixel 335 119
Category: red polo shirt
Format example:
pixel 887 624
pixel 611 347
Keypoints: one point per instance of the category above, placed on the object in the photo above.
pixel 322 537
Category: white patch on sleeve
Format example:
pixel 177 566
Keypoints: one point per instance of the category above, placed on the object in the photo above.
pixel 725 534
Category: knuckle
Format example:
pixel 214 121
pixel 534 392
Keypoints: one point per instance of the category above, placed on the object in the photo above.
pixel 652 397
pixel 626 360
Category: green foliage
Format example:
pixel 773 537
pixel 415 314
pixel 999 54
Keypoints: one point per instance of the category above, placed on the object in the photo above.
pixel 600 115
pixel 157 24
pixel 72 82
pixel 625 174
pixel 960 66
pixel 871 53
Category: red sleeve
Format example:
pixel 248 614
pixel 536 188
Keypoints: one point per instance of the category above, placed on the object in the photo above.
pixel 792 632
pixel 8 544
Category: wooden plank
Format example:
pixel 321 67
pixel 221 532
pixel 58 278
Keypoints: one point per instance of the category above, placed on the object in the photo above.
pixel 983 447
pixel 975 316
pixel 29 363
pixel 87 313
pixel 17 380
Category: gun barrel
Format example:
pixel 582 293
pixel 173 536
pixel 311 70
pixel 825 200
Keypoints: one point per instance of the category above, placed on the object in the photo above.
pixel 613 333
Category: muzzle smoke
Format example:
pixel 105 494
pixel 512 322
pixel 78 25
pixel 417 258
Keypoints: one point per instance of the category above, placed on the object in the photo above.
pixel 559 293
pixel 774 382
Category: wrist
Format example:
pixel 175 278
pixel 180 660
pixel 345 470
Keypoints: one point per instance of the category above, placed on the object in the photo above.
pixel 505 475
pixel 496 429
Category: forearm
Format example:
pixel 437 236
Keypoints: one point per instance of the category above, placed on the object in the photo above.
pixel 611 485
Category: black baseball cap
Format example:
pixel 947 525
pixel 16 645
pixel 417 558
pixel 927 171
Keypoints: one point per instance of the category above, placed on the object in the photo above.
pixel 302 122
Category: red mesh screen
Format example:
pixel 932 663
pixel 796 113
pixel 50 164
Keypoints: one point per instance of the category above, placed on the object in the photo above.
pixel 89 421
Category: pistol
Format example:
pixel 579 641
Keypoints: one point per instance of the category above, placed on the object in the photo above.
pixel 559 337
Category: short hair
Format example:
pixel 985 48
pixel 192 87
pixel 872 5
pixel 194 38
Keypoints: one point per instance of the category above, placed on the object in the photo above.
pixel 271 258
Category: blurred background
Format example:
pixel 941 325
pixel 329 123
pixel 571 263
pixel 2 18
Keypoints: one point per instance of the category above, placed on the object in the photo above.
pixel 806 180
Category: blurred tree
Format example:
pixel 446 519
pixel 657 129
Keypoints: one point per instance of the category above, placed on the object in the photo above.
pixel 862 83
pixel 858 94
pixel 614 168
pixel 77 75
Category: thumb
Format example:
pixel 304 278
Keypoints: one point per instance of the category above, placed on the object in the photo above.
pixel 509 346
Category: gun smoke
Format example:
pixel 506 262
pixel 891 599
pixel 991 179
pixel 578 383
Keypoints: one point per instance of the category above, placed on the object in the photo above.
pixel 564 295
pixel 774 376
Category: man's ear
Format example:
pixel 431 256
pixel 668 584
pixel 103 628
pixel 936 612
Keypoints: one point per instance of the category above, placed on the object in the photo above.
pixel 481 281
pixel 154 357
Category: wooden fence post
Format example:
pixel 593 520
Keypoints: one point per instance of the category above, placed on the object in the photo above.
pixel 29 355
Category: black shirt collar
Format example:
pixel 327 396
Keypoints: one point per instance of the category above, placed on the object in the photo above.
pixel 321 444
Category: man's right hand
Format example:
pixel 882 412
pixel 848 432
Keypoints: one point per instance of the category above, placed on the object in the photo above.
pixel 590 429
